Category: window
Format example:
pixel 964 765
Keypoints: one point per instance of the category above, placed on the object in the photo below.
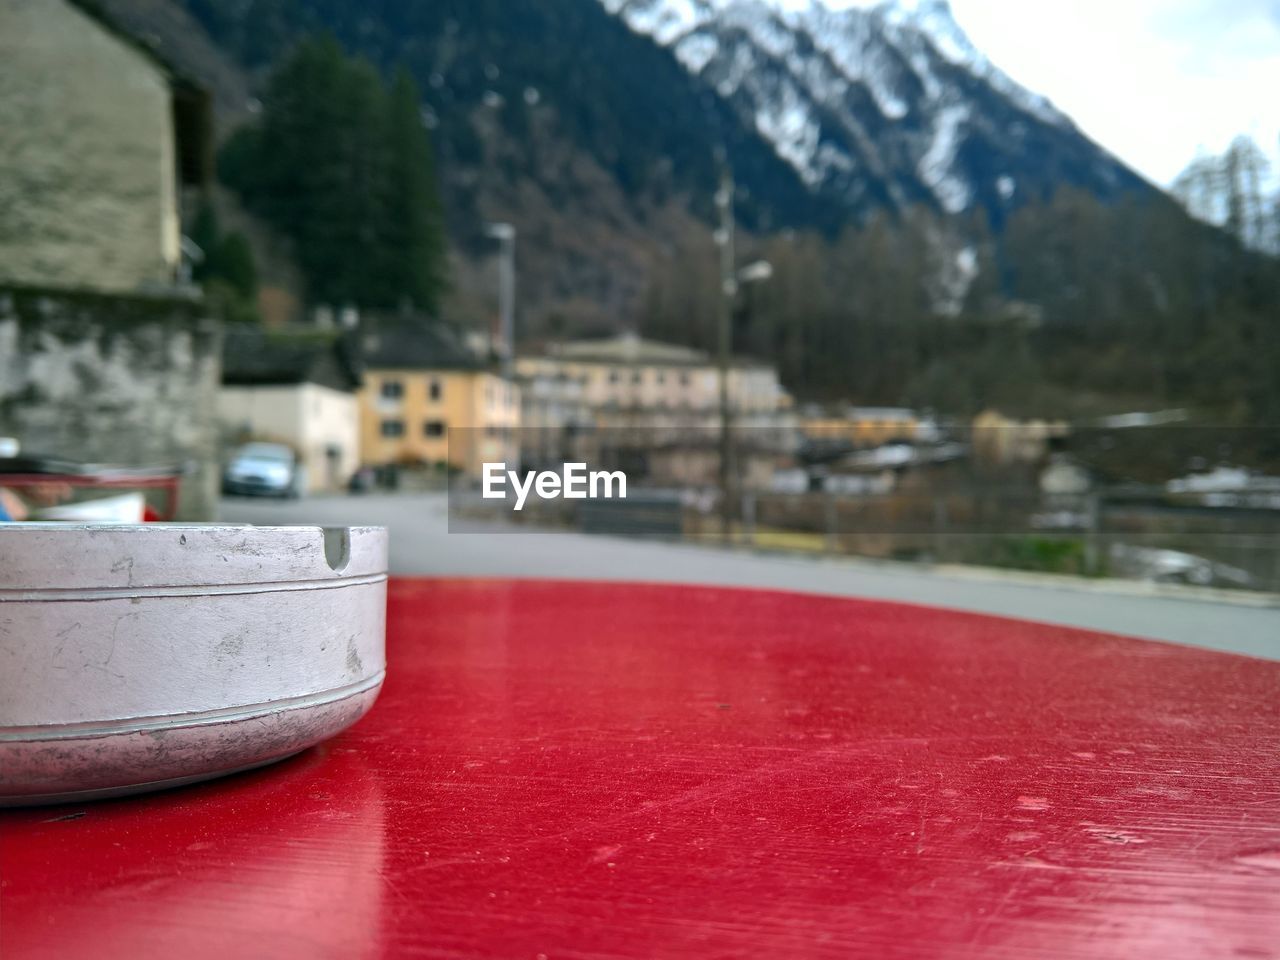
pixel 684 379
pixel 613 376
pixel 435 389
pixel 662 377
pixel 392 390
pixel 636 377
pixel 433 428
pixel 393 428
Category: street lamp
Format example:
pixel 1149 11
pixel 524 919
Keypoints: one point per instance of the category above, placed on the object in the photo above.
pixel 505 234
pixel 731 280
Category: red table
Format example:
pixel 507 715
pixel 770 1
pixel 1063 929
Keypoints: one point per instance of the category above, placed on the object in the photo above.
pixel 593 770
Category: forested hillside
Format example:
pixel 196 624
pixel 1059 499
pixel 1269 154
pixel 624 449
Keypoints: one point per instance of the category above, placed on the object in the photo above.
pixel 1077 306
pixel 600 145
pixel 341 164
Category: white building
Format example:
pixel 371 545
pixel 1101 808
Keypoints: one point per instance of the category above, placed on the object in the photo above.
pixel 658 383
pixel 298 389
pixel 659 401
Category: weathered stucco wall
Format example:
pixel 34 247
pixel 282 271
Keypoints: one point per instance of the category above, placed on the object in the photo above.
pixel 87 170
pixel 127 380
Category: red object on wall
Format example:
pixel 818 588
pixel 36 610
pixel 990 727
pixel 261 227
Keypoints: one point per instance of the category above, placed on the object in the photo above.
pixel 167 481
pixel 578 770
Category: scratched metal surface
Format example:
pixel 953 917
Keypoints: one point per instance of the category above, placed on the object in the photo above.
pixel 625 771
pixel 134 656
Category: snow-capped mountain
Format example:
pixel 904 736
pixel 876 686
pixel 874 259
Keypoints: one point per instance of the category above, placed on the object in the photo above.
pixel 595 126
pixel 885 106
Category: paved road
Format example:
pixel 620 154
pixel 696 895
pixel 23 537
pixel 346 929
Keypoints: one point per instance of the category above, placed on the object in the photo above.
pixel 421 544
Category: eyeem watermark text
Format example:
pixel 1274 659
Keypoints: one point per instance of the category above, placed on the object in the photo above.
pixel 577 483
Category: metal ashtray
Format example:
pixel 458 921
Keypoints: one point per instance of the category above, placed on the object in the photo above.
pixel 147 656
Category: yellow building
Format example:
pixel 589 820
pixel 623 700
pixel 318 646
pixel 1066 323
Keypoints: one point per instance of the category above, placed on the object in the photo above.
pixel 1003 440
pixel 427 401
pixel 865 426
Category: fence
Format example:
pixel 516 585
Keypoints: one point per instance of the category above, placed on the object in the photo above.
pixel 1094 535
pixel 1115 534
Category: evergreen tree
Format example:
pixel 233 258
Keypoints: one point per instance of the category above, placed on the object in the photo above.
pixel 413 229
pixel 343 167
pixel 226 269
pixel 234 264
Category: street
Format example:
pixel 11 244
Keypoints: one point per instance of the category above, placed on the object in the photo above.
pixel 421 545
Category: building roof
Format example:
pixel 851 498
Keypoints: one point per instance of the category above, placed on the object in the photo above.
pixel 415 346
pixel 899 414
pixel 192 105
pixel 253 356
pixel 97 12
pixel 627 348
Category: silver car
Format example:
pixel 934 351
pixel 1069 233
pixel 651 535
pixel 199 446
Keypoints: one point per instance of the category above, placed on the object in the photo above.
pixel 263 469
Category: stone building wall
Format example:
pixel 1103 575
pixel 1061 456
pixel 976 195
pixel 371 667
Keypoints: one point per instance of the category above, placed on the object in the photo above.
pixel 126 380
pixel 88 175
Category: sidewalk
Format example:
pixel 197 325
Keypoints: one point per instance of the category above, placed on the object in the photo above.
pixel 422 545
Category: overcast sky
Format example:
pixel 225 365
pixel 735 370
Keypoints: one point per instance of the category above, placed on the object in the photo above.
pixel 1150 80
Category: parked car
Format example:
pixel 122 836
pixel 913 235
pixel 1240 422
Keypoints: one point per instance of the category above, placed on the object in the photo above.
pixel 263 469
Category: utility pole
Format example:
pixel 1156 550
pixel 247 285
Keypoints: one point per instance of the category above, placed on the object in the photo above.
pixel 728 293
pixel 505 234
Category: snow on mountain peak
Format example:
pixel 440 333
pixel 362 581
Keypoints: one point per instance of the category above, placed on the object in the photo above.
pixel 664 20
pixel 843 95
pixel 933 19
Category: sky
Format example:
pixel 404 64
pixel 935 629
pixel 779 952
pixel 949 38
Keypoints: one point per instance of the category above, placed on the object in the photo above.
pixel 1153 81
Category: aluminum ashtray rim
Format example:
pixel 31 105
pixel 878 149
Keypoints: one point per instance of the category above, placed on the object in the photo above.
pixel 179 652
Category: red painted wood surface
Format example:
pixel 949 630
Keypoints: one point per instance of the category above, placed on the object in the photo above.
pixel 576 770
